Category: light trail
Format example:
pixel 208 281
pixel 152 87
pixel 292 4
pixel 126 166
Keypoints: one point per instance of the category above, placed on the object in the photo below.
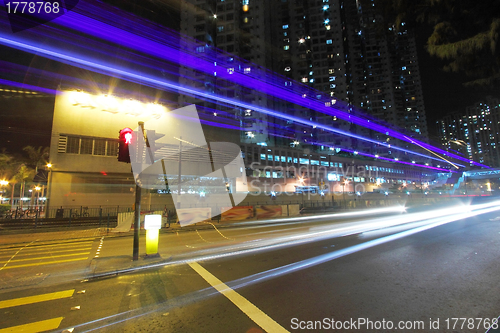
pixel 156 83
pixel 199 295
pixel 223 125
pixel 316 234
pixel 311 262
pixel 149 42
pixel 45 74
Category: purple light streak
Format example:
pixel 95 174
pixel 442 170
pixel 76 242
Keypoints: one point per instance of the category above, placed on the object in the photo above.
pixel 161 50
pixel 118 36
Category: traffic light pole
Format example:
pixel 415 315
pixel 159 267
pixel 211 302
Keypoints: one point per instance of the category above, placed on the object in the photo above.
pixel 137 221
pixel 137 211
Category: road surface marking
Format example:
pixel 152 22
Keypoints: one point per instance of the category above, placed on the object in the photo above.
pixel 68 245
pixel 50 251
pixel 36 246
pixel 50 257
pixel 6 263
pixel 45 263
pixel 39 326
pixel 253 312
pixel 36 299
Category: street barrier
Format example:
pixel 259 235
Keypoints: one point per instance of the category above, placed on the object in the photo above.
pixel 267 211
pixel 238 213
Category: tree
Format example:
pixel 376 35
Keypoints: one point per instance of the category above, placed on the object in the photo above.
pixel 23 174
pixel 8 168
pixel 37 157
pixel 466 33
pixel 5 161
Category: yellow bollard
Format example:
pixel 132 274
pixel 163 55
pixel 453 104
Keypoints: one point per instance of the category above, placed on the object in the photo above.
pixel 152 224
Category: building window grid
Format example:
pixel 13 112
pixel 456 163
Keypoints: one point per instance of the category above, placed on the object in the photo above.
pixel 91 146
pixel 271 157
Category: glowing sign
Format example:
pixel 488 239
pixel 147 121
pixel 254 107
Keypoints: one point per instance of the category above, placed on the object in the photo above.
pixel 115 105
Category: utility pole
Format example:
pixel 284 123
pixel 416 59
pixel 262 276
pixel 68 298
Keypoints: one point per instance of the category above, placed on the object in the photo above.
pixel 137 211
pixel 137 221
pixel 179 189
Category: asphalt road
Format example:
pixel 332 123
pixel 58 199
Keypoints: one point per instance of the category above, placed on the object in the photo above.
pixel 284 277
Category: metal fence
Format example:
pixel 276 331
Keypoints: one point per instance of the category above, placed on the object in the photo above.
pixel 102 212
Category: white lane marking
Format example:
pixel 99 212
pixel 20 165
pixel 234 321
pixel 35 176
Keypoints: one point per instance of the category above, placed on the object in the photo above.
pixel 253 312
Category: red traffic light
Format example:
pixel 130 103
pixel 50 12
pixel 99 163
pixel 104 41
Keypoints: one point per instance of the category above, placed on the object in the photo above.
pixel 125 139
pixel 126 135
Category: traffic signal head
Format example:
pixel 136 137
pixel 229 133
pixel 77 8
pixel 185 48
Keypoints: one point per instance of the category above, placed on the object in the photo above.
pixel 125 139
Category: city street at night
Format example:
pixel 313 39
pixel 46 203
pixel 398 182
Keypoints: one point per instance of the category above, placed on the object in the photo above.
pixel 281 277
pixel 249 166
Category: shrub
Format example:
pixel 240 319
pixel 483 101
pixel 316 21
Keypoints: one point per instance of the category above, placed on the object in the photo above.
pixel 4 208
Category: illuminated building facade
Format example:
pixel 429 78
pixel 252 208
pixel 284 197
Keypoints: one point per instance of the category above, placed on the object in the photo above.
pixel 84 148
pixel 327 45
pixel 475 133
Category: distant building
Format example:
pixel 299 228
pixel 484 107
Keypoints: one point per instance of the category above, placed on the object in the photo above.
pixel 474 133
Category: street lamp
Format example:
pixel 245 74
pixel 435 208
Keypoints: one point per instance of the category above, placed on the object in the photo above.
pixel 301 181
pixel 3 183
pixel 37 189
pixel 49 180
pixel 343 192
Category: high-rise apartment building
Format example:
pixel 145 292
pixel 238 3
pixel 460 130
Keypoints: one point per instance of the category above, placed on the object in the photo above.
pixel 476 133
pixel 329 45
